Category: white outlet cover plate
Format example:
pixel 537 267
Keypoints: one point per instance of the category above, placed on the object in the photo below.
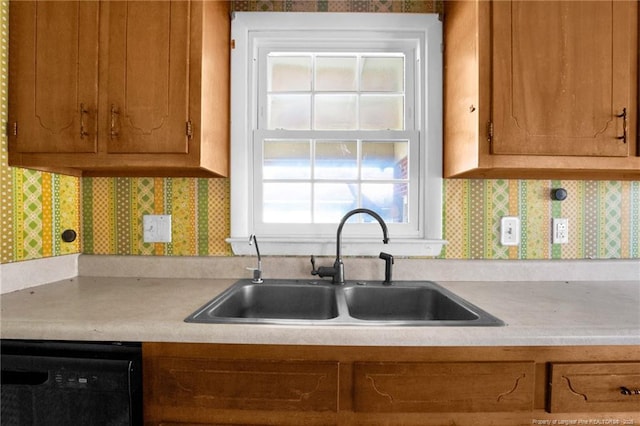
pixel 560 230
pixel 156 228
pixel 510 231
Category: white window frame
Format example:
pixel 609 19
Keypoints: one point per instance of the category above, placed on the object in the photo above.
pixel 250 30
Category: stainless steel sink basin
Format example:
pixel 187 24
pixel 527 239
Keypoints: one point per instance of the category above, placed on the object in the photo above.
pixel 405 303
pixel 280 300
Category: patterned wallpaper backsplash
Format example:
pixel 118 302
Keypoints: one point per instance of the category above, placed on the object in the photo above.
pixel 604 216
pixel 112 211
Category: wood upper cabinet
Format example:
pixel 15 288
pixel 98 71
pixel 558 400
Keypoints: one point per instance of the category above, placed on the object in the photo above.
pixel 561 76
pixel 53 73
pixel 120 88
pixel 148 85
pixel 541 89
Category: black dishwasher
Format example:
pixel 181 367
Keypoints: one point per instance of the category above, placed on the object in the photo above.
pixel 51 383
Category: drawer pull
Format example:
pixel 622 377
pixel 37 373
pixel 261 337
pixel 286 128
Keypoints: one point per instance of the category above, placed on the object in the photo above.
pixel 623 115
pixel 83 112
pixel 627 391
pixel 115 122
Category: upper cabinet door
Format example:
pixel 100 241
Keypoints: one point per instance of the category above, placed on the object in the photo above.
pixel 148 77
pixel 53 73
pixel 562 77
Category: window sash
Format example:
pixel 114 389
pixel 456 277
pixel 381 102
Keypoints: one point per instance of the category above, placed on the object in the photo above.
pixel 381 45
pixel 410 229
pixel 408 48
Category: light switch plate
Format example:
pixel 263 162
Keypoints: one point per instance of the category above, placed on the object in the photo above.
pixel 156 228
pixel 510 231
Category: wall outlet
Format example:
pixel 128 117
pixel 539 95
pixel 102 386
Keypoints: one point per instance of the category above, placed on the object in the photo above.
pixel 156 228
pixel 510 231
pixel 560 230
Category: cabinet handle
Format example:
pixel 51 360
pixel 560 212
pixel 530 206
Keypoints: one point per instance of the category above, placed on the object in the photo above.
pixel 83 111
pixel 623 115
pixel 115 119
pixel 627 391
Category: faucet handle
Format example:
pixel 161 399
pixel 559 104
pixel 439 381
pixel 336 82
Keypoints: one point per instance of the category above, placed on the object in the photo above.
pixel 322 271
pixel 314 271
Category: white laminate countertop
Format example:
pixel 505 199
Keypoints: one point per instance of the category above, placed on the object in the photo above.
pixel 153 309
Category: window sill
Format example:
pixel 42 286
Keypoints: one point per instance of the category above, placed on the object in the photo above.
pixel 327 247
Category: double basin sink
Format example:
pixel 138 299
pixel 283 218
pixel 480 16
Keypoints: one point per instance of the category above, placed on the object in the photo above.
pixel 317 302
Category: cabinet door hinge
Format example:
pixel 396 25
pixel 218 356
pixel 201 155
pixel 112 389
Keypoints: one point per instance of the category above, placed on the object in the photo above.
pixel 490 132
pixel 233 43
pixel 189 129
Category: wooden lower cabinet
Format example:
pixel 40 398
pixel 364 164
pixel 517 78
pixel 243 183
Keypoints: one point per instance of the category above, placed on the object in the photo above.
pixel 593 387
pixel 443 387
pixel 191 388
pixel 218 384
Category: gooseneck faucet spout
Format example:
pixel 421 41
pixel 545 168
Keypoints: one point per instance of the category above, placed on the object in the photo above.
pixel 338 265
pixel 376 216
pixel 337 271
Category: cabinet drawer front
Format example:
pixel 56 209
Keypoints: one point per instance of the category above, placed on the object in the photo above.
pixel 443 387
pixel 246 385
pixel 588 387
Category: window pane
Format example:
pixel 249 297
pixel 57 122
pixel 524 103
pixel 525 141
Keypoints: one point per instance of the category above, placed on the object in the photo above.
pixel 382 74
pixel 335 112
pixel 333 200
pixel 336 160
pixel 289 73
pixel 353 92
pixel 286 203
pixel 290 112
pixel 385 160
pixel 336 74
pixel 382 112
pixel 286 160
pixel 389 200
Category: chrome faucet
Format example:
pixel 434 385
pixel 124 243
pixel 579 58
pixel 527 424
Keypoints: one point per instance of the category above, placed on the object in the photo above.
pixel 337 270
pixel 257 272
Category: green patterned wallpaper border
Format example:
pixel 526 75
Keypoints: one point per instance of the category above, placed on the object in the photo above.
pixel 36 207
pixel 374 6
